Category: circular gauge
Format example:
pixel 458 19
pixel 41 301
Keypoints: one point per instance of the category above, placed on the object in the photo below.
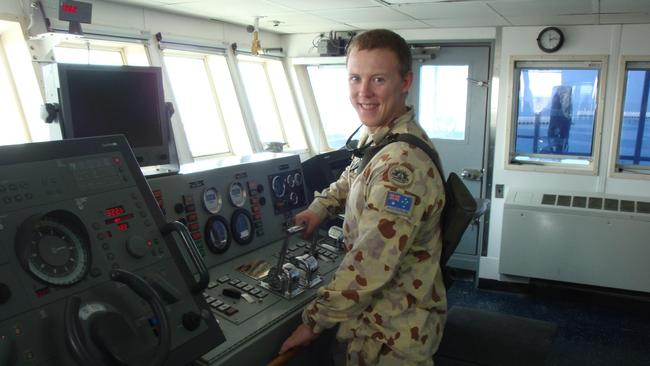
pixel 217 236
pixel 297 178
pixel 293 198
pixel 290 181
pixel 237 194
pixel 277 184
pixel 53 251
pixel 212 200
pixel 241 225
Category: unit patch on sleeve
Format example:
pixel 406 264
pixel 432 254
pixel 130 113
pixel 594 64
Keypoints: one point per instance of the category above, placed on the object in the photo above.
pixel 400 175
pixel 399 203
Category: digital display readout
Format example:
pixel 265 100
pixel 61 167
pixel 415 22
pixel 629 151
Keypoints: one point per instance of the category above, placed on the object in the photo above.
pixel 69 8
pixel 122 226
pixel 114 211
pixel 119 219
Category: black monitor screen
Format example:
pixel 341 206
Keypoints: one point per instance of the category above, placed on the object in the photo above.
pixel 108 100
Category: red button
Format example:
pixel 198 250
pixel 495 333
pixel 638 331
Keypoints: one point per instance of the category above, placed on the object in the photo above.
pixel 231 311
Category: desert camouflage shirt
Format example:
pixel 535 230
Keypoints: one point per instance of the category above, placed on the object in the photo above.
pixel 388 289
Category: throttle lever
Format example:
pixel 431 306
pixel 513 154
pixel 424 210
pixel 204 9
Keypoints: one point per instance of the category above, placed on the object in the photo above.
pixel 195 256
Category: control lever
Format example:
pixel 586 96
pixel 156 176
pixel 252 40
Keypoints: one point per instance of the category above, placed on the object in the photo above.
pixel 336 233
pixel 285 277
pixel 314 243
pixel 308 267
pixel 193 252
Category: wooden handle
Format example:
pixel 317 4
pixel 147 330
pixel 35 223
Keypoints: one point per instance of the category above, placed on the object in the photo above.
pixel 283 358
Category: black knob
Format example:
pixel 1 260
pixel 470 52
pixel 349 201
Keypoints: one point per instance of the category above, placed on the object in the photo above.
pixel 262 201
pixel 179 208
pixel 260 188
pixel 191 320
pixel 137 246
pixel 5 293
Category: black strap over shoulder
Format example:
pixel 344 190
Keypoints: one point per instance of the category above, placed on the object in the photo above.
pixel 403 137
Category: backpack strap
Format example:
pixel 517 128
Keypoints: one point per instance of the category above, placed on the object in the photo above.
pixel 403 137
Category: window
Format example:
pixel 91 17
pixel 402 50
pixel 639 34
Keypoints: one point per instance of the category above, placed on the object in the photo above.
pixel 443 102
pixel 634 119
pixel 205 99
pixel 271 102
pixel 556 113
pixel 338 118
pixel 98 52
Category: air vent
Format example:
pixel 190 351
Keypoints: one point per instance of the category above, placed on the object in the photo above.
pixel 611 205
pixel 627 206
pixel 564 201
pixel 548 199
pixel 579 201
pixel 596 203
pixel 643 207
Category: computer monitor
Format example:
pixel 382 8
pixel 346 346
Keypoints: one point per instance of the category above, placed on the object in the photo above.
pixel 107 100
pixel 321 170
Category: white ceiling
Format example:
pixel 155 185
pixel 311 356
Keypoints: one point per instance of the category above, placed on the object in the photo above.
pixel 313 16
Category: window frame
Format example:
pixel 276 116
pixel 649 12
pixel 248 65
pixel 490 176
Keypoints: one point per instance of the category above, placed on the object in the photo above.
pixel 203 55
pixel 300 65
pixel 99 44
pixel 621 85
pixel 264 61
pixel 556 61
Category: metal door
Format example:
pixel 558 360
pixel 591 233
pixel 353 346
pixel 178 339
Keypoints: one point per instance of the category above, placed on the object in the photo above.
pixel 450 95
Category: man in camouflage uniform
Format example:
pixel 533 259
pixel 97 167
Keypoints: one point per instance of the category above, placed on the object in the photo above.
pixel 387 296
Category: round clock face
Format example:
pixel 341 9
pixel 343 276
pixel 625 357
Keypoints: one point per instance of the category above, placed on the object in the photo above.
pixel 550 39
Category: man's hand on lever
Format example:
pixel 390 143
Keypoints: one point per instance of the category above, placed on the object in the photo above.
pixel 309 219
pixel 301 337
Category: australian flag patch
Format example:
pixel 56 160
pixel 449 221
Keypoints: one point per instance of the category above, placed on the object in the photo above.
pixel 399 203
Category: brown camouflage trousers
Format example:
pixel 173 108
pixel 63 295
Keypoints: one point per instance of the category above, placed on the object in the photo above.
pixel 365 352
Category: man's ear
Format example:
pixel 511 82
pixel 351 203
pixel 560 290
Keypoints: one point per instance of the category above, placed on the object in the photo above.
pixel 407 81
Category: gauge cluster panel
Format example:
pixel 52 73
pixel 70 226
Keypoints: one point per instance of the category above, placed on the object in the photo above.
pixel 234 209
pixel 79 231
pixel 288 191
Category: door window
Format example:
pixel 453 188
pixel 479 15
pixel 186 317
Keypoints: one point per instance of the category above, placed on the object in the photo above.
pixel 443 101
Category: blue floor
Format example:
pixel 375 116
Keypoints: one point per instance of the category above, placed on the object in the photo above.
pixel 593 329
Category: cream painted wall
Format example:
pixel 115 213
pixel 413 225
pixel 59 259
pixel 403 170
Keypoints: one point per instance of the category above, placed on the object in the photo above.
pixel 301 45
pixel 9 8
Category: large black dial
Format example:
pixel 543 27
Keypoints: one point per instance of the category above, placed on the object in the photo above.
pixel 53 250
pixel 277 184
pixel 217 235
pixel 241 224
